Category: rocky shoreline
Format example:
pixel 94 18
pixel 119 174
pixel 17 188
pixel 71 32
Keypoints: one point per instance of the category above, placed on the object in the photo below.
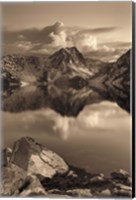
pixel 30 169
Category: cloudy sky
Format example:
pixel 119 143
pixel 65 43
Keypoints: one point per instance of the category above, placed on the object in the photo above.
pixel 100 30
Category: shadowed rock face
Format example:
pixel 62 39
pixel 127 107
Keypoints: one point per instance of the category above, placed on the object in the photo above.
pixel 120 71
pixel 21 68
pixel 67 56
pixel 116 74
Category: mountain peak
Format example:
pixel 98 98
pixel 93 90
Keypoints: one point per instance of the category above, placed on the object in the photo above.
pixel 70 50
pixel 69 55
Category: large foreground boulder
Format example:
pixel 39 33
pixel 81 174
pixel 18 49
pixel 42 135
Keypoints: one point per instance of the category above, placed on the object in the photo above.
pixel 37 159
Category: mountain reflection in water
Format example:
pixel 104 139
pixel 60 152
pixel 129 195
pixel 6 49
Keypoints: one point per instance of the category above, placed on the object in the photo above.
pixel 89 128
pixel 66 101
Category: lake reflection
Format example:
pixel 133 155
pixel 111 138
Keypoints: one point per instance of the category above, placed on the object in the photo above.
pixel 87 127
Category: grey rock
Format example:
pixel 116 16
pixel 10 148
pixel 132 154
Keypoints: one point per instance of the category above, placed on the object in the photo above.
pixel 58 196
pixel 34 188
pixel 123 187
pixel 79 192
pixel 54 191
pixel 121 174
pixel 96 179
pixel 13 178
pixel 16 182
pixel 105 193
pixel 6 155
pixel 72 173
pixel 96 194
pixel 37 159
pixel 121 193
pixel 101 174
pixel 129 181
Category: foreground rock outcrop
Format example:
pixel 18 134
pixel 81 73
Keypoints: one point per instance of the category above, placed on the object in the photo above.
pixel 36 159
pixel 30 169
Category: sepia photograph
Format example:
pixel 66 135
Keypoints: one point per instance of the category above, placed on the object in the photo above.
pixel 66 99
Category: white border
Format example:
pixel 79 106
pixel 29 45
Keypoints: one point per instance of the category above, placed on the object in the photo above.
pixel 19 1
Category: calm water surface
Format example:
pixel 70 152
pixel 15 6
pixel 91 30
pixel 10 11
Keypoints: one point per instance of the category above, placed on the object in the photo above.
pixel 97 139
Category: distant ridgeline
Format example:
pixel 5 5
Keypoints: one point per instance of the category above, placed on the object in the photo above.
pixel 65 81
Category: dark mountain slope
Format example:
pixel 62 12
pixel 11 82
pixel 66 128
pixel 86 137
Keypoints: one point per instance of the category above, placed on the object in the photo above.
pixel 117 73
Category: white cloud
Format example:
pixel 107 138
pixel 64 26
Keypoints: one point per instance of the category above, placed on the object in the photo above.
pixel 59 40
pixel 56 36
pixel 107 48
pixel 41 51
pixel 64 38
pixel 24 45
pixel 85 42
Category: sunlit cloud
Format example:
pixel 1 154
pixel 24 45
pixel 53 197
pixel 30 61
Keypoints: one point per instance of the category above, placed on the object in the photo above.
pixel 58 35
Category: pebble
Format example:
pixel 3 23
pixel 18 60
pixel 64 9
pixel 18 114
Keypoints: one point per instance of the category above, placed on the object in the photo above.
pixel 80 192
pixel 121 174
pixel 96 179
pixel 123 187
pixel 72 173
pixel 105 192
pixel 121 192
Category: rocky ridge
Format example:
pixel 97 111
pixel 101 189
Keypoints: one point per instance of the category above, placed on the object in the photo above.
pixel 117 73
pixel 30 169
pixel 65 67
